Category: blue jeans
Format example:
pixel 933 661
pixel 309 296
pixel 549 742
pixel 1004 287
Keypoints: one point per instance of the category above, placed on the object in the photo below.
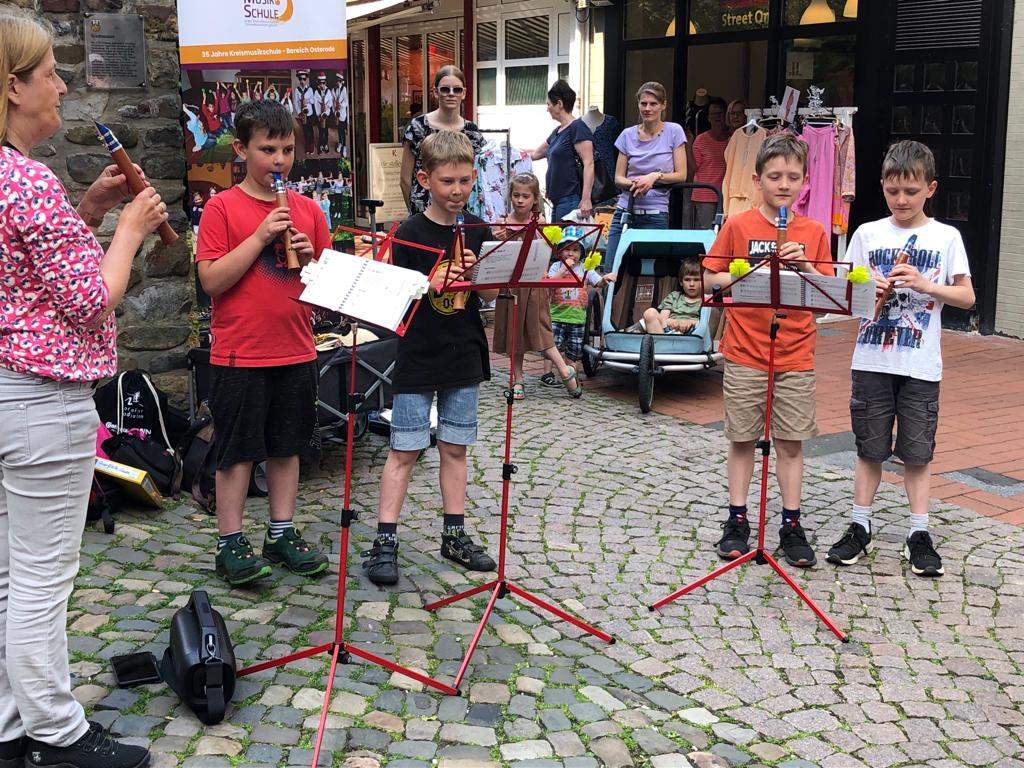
pixel 456 418
pixel 639 221
pixel 563 206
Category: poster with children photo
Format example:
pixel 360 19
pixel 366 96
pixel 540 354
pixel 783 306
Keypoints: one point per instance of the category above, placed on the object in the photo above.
pixel 319 101
pixel 328 182
pixel 209 99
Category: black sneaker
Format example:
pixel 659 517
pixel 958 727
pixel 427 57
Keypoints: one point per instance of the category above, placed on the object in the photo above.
pixel 794 546
pixel 550 380
pixel 848 550
pixel 924 560
pixel 12 753
pixel 381 562
pixel 463 551
pixel 735 535
pixel 94 750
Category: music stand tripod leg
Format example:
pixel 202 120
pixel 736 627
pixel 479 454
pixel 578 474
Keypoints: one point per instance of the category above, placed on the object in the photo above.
pixel 340 650
pixel 500 585
pixel 759 554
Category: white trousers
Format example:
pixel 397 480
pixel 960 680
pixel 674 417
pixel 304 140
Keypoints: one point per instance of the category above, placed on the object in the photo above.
pixel 47 450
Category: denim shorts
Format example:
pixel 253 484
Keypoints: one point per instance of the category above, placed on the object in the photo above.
pixel 881 400
pixel 456 418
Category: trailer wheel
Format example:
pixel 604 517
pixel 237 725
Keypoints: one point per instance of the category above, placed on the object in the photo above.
pixel 645 373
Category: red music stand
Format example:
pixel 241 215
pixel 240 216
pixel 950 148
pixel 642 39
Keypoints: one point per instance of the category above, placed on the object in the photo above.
pixel 500 586
pixel 339 649
pixel 759 554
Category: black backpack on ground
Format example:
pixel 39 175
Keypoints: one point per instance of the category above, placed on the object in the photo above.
pixel 133 410
pixel 199 664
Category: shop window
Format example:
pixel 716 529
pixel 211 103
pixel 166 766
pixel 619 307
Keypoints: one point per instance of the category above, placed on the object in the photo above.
pixel 487 87
pixel 800 12
pixel 651 64
pixel 726 16
pixel 440 53
pixel 526 38
pixel 387 90
pixel 903 78
pixel 729 70
pixel 826 62
pixel 563 71
pixel 901 120
pixel 963 119
pixel 487 41
pixel 526 85
pixel 649 18
pixel 967 75
pixel 932 119
pixel 958 206
pixel 410 79
pixel 935 76
pixel 564 34
pixel 960 163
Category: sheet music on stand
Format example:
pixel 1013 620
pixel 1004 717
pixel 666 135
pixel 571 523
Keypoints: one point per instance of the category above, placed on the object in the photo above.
pixel 374 292
pixel 812 291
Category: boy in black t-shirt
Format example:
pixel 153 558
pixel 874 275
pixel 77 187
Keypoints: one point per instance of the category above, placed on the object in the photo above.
pixel 444 351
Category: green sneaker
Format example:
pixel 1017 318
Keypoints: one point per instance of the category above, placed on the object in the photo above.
pixel 295 554
pixel 238 564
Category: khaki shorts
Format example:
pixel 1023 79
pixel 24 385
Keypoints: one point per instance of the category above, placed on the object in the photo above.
pixel 744 392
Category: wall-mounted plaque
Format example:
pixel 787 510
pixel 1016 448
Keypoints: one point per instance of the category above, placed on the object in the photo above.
pixel 115 50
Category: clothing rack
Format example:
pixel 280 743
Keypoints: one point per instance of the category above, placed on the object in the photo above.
pixel 508 156
pixel 845 116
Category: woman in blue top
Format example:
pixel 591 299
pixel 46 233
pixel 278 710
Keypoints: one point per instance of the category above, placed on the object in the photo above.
pixel 572 137
pixel 650 153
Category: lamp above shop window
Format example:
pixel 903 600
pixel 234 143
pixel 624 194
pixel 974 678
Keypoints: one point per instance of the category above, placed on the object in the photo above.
pixel 850 9
pixel 670 31
pixel 818 12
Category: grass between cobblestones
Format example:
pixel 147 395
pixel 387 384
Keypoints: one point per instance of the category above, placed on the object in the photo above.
pixel 610 510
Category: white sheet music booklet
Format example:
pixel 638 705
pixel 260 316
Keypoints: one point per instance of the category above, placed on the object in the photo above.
pixel 361 288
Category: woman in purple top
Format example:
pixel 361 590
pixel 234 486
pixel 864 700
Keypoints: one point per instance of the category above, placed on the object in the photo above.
pixel 651 153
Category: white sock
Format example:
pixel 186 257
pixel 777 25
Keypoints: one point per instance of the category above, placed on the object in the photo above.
pixel 918 523
pixel 275 528
pixel 862 516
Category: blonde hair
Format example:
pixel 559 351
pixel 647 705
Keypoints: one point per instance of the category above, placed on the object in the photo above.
pixel 24 42
pixel 445 148
pixel 656 89
pixel 529 181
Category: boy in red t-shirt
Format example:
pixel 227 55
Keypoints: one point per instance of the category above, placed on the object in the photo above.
pixel 263 383
pixel 780 174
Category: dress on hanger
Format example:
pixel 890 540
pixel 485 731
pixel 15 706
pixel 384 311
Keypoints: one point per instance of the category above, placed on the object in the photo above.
pixel 815 199
pixel 488 200
pixel 605 134
pixel 740 157
pixel 844 185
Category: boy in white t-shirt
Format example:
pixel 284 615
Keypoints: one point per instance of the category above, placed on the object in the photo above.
pixel 897 361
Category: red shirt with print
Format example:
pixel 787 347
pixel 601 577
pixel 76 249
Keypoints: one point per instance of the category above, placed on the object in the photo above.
pixel 257 323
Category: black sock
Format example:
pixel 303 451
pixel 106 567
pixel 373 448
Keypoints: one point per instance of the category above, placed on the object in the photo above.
pixel 226 538
pixel 739 511
pixel 387 533
pixel 454 525
pixel 790 516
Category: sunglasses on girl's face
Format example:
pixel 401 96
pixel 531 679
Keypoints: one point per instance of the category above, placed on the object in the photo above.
pixel 445 90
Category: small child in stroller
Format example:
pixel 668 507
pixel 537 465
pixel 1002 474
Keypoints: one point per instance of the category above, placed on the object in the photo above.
pixel 679 312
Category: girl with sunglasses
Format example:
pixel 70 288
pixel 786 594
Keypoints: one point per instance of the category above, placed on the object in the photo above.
pixel 450 92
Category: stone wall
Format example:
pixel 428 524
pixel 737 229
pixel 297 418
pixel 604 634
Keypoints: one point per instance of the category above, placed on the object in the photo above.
pixel 154 319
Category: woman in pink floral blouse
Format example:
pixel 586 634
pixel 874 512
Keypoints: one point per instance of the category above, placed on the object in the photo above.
pixel 58 291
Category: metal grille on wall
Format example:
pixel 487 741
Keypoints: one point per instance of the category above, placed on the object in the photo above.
pixel 929 24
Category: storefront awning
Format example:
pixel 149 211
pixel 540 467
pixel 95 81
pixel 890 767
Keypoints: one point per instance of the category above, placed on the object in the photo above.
pixel 375 10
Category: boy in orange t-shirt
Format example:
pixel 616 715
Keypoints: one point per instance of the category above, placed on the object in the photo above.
pixel 780 174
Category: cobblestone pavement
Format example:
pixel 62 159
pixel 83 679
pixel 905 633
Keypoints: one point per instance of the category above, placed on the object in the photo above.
pixel 611 511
